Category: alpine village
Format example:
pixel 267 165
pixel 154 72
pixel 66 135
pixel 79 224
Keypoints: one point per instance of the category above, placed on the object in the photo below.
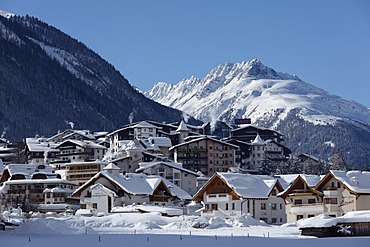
pixel 175 169
pixel 178 167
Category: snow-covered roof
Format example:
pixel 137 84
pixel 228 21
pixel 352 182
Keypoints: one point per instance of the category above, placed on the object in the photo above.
pixel 111 166
pixel 204 138
pixel 137 184
pixel 327 221
pixel 130 145
pixel 144 124
pixel 148 165
pixel 84 144
pixel 28 169
pixel 40 145
pixel 160 141
pixel 256 127
pixel 248 185
pixel 357 181
pixel 182 127
pixel 258 140
pixel 311 180
pixel 84 133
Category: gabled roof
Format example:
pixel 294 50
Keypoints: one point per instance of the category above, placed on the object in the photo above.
pixel 311 180
pixel 130 145
pixel 256 127
pixel 28 169
pixel 258 140
pixel 147 165
pixel 355 181
pixel 39 145
pixel 84 144
pixel 111 166
pixel 299 179
pixel 142 124
pixel 135 184
pixel 182 127
pixel 201 139
pixel 84 133
pixel 245 185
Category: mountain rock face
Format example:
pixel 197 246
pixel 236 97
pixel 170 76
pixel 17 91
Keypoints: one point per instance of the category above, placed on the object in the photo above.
pixel 312 120
pixel 48 79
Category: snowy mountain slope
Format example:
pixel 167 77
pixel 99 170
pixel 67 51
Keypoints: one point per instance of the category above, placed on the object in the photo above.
pixel 47 78
pixel 275 100
pixel 250 89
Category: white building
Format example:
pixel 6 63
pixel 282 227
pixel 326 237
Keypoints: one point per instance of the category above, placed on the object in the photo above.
pixel 229 195
pixel 174 172
pixel 109 189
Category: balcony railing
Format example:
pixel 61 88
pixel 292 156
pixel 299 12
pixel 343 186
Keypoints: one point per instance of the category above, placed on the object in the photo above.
pixel 307 208
pixel 218 197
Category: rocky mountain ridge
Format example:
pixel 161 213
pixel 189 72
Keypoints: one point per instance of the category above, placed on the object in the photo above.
pixel 274 100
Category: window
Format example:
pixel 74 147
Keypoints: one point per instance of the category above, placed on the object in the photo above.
pixel 273 192
pixel 83 206
pixel 310 201
pixel 297 202
pixel 214 206
pixel 263 206
pixel 273 221
pixel 281 206
pixel 338 185
pixel 273 206
pixel 310 215
pixel 227 206
pixel 299 217
pixel 233 206
pixel 95 205
pixel 333 200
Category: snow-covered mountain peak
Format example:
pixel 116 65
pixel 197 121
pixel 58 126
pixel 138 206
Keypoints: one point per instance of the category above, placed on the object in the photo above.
pixel 251 89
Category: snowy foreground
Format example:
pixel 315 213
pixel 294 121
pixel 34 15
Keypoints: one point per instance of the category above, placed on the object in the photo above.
pixel 129 229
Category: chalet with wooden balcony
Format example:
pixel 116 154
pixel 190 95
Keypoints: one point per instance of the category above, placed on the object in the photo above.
pixel 39 151
pixel 229 195
pixel 301 199
pixel 81 171
pixel 78 151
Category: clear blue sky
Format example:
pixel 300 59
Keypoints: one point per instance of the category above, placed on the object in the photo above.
pixel 325 43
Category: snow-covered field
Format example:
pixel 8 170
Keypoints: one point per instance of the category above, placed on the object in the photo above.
pixel 131 229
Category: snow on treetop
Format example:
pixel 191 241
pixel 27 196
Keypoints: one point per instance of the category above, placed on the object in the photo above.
pixel 6 14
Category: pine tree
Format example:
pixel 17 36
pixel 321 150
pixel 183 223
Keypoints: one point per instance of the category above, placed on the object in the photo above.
pixel 337 161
